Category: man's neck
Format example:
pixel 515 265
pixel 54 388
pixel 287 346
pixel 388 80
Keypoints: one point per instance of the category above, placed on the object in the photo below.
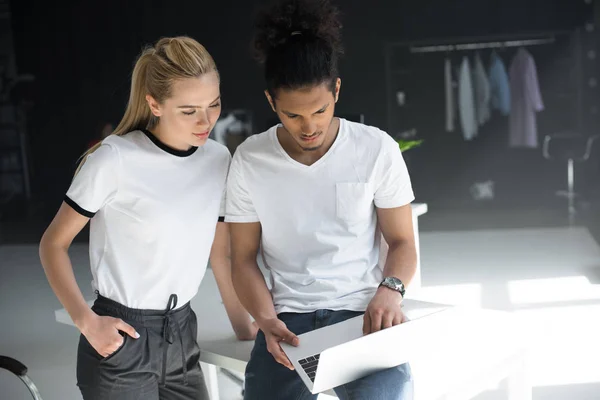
pixel 291 147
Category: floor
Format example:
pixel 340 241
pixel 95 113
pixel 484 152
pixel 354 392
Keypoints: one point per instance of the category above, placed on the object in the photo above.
pixel 548 276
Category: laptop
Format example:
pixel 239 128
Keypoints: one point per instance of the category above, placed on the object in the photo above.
pixel 337 354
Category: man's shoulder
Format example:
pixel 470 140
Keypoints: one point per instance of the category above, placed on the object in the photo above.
pixel 368 136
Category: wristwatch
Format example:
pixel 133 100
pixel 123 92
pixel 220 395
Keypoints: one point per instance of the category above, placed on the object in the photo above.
pixel 394 284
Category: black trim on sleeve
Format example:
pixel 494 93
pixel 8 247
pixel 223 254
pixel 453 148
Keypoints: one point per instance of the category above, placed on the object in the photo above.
pixel 77 208
pixel 221 219
pixel 168 149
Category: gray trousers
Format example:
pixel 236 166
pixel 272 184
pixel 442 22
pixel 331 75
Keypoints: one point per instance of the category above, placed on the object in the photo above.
pixel 162 364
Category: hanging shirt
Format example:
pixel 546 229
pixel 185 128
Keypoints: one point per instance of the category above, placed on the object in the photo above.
pixel 482 92
pixel 499 85
pixel 466 101
pixel 526 100
pixel 449 91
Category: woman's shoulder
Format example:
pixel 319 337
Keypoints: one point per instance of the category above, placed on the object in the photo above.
pixel 217 149
pixel 119 142
pixel 127 144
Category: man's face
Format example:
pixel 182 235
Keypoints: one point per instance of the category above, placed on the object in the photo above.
pixel 306 113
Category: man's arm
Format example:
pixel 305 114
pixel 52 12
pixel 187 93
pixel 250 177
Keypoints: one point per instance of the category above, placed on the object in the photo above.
pixel 385 310
pixel 252 290
pixel 397 229
pixel 220 262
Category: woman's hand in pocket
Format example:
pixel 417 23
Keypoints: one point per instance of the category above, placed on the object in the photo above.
pixel 104 333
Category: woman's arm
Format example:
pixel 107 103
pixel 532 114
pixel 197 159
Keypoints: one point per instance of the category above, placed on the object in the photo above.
pixel 101 332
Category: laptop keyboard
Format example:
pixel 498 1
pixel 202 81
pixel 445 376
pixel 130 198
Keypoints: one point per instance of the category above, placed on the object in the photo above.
pixel 309 365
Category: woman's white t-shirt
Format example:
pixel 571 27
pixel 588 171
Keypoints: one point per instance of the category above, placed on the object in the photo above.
pixel 154 212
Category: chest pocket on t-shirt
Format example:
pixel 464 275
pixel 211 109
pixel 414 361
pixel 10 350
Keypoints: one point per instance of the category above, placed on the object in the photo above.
pixel 354 201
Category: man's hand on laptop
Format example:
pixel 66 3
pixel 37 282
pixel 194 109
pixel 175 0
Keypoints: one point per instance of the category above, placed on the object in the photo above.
pixel 384 311
pixel 275 332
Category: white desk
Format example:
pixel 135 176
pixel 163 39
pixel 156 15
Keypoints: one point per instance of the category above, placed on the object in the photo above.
pixel 480 352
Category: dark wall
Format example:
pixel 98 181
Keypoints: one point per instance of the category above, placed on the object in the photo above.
pixel 82 54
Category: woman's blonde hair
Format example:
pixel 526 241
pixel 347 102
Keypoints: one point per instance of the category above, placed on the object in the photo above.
pixel 155 70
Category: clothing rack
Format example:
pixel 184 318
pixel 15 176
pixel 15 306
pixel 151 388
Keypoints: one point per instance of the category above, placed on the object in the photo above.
pixel 405 49
pixel 481 45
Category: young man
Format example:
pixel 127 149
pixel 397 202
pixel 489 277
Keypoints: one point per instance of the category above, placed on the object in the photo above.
pixel 314 193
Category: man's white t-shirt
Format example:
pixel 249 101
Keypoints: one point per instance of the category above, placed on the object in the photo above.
pixel 154 212
pixel 320 240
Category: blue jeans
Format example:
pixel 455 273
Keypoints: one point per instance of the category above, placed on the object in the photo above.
pixel 267 379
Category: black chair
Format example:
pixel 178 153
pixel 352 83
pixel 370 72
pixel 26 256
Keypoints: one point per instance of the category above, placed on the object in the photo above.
pixel 20 371
pixel 569 147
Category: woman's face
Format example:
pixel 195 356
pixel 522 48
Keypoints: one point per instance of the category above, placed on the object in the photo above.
pixel 188 116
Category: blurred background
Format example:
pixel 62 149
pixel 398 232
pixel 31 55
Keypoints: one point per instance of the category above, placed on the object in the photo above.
pixel 513 219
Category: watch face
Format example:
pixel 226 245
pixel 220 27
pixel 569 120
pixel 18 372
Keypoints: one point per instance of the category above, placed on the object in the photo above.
pixel 394 281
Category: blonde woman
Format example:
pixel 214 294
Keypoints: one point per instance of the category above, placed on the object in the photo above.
pixel 153 190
